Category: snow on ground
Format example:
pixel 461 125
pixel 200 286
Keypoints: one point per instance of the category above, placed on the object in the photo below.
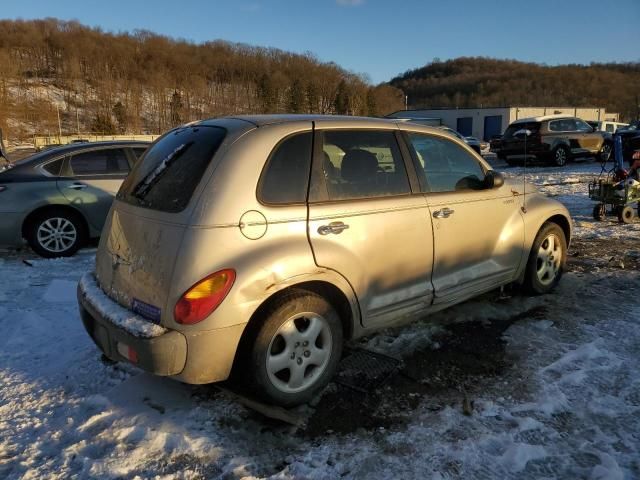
pixel 552 385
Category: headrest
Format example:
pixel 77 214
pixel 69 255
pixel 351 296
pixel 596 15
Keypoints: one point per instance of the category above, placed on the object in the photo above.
pixel 359 166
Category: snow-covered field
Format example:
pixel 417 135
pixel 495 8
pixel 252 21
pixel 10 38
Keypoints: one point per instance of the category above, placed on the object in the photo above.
pixel 550 385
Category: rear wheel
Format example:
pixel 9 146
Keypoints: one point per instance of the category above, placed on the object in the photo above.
pixel 56 233
pixel 296 350
pixel 560 156
pixel 599 211
pixel 626 214
pixel 546 260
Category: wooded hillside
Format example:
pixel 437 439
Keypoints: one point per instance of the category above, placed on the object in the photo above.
pixel 141 82
pixel 475 82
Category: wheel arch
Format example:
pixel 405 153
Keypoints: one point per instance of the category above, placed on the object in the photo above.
pixel 558 217
pixel 348 312
pixel 562 222
pixel 26 223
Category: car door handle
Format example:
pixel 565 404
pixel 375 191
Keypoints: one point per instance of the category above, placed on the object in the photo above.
pixel 444 213
pixel 77 186
pixel 333 227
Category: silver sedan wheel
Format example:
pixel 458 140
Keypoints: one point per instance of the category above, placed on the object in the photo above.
pixel 299 352
pixel 549 259
pixel 57 234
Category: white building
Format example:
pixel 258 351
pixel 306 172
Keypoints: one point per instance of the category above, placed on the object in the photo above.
pixel 484 123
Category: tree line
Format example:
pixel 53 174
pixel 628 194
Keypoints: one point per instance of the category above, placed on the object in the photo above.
pixel 141 82
pixel 477 81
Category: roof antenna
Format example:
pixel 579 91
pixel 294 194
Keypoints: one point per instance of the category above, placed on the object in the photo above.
pixel 524 133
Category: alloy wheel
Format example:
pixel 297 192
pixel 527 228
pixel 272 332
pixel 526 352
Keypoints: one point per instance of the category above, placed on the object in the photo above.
pixel 56 234
pixel 299 352
pixel 549 259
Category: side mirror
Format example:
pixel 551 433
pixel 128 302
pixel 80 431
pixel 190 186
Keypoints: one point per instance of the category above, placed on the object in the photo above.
pixel 493 179
pixel 522 133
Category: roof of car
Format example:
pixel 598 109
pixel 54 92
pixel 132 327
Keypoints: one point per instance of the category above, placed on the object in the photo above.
pixel 542 118
pixel 329 121
pixel 73 147
pixel 262 120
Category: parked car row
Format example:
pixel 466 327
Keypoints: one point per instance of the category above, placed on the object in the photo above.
pixel 59 198
pixel 554 139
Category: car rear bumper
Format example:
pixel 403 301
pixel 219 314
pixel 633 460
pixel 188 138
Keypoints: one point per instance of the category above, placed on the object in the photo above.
pixel 198 357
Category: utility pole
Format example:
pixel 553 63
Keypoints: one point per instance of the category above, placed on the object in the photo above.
pixel 406 102
pixel 59 125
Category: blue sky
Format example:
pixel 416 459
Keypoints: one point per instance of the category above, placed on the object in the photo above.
pixel 375 37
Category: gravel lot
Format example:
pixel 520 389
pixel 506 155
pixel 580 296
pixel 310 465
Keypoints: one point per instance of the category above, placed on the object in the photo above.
pixel 503 386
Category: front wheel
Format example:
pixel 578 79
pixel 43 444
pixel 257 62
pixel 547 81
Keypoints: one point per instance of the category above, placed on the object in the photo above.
pixel 297 349
pixel 56 233
pixel 605 152
pixel 546 260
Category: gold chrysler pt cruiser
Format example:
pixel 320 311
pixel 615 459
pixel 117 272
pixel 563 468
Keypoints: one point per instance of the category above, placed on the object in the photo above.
pixel 260 244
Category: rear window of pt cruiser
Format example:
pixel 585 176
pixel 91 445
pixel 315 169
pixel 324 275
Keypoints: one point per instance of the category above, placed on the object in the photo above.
pixel 167 175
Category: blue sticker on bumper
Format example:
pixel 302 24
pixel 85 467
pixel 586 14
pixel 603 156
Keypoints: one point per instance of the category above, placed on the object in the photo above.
pixel 147 311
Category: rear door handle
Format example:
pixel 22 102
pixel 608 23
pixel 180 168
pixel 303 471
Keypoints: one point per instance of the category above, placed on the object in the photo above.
pixel 333 227
pixel 443 213
pixel 77 186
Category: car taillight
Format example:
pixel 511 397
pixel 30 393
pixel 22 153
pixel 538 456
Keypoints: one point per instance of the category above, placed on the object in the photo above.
pixel 203 298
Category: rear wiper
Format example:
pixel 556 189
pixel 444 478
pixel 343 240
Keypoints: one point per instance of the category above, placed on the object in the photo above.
pixel 142 189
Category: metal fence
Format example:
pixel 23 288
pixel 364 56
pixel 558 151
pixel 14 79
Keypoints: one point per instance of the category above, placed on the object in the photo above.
pixel 40 142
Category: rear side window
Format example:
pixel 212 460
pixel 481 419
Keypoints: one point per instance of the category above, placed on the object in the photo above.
pixel 534 127
pixel 168 174
pixel 54 167
pixel 562 125
pixel 138 152
pixel 100 162
pixel 363 164
pixel 286 176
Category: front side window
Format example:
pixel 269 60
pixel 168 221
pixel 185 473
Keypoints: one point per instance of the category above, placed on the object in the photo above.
pixel 363 164
pixel 445 166
pixel 100 162
pixel 286 176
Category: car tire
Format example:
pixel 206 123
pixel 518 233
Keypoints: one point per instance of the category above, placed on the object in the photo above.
pixel 547 260
pixel 599 211
pixel 626 214
pixel 560 156
pixel 605 152
pixel 296 349
pixel 56 233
